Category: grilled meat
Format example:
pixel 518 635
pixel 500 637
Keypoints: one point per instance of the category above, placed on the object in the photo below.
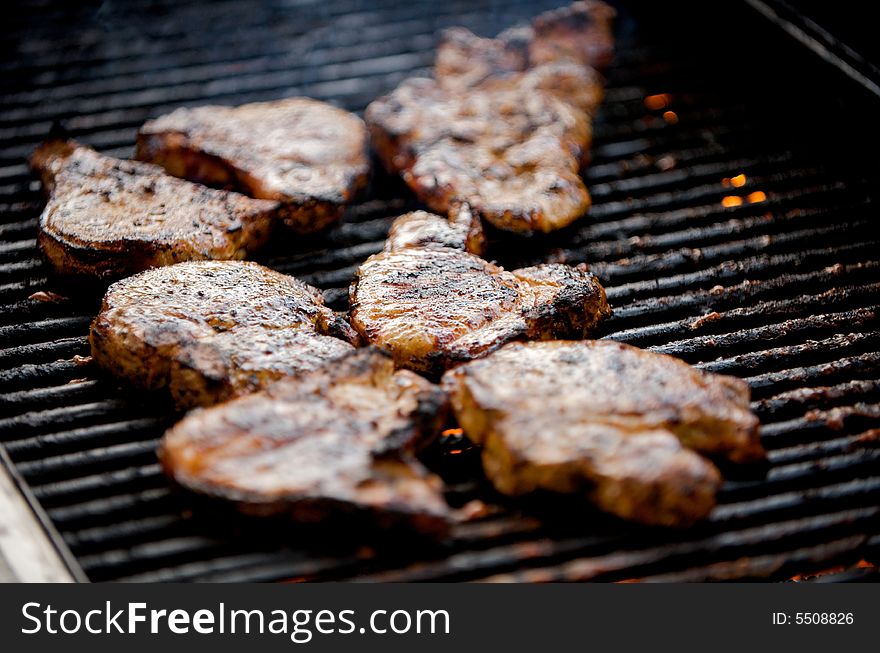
pixel 580 32
pixel 466 61
pixel 108 218
pixel 338 440
pixel 511 153
pixel 212 330
pixel 505 126
pixel 310 156
pixel 615 422
pixel 434 306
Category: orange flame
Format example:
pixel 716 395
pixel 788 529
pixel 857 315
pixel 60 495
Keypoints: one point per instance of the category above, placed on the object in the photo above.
pixel 737 181
pixel 757 196
pixel 731 200
pixel 449 432
pixel 659 101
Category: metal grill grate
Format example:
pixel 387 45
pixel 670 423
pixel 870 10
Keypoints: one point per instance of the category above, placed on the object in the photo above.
pixel 778 287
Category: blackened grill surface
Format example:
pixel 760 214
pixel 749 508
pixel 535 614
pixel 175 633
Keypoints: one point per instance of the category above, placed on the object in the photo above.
pixel 727 228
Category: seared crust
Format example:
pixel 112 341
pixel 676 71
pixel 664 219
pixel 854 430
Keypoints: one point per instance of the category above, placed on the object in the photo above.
pixel 505 126
pixel 580 33
pixel 466 61
pixel 108 218
pixel 310 156
pixel 338 440
pixel 212 330
pixel 607 419
pixel 434 306
pixel 511 153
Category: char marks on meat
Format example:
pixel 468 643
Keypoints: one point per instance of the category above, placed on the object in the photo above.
pixel 505 125
pixel 466 61
pixel 578 33
pixel 332 442
pixel 510 153
pixel 109 218
pixel 212 330
pixel 433 304
pixel 617 423
pixel 310 156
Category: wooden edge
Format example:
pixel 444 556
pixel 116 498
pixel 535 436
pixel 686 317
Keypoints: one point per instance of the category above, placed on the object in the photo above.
pixel 28 550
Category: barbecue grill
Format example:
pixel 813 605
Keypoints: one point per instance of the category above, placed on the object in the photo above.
pixel 734 225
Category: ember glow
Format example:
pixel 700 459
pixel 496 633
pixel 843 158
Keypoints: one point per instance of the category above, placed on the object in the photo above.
pixel 737 181
pixel 670 117
pixel 450 432
pixel 861 564
pixel 757 196
pixel 659 101
pixel 731 200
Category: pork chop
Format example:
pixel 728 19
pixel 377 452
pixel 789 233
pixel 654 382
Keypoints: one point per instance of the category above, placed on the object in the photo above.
pixel 340 440
pixel 310 156
pixel 466 61
pixel 622 425
pixel 505 125
pixel 433 306
pixel 109 218
pixel 512 153
pixel 580 33
pixel 213 330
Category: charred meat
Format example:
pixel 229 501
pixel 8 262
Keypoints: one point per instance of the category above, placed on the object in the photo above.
pixel 340 440
pixel 433 306
pixel 466 61
pixel 310 156
pixel 213 330
pixel 511 153
pixel 579 34
pixel 505 125
pixel 108 218
pixel 622 425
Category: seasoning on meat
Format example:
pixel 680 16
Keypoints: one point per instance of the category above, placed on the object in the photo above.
pixel 621 425
pixel 466 61
pixel 579 33
pixel 511 153
pixel 212 330
pixel 433 305
pixel 310 156
pixel 109 218
pixel 337 441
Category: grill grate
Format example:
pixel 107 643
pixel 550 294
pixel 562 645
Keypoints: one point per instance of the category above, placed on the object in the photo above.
pixel 780 289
